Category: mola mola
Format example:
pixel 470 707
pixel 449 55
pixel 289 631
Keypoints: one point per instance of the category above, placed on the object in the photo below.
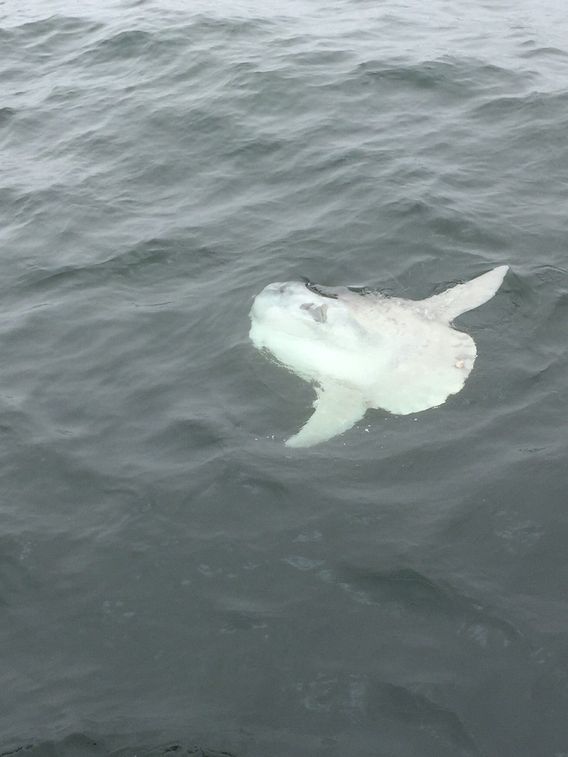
pixel 363 350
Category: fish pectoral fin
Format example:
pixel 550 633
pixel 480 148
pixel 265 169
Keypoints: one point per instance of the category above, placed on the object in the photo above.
pixel 337 408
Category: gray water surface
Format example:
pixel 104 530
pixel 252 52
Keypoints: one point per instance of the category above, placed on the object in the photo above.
pixel 173 580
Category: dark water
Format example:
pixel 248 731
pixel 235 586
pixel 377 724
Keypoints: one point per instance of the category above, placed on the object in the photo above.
pixel 173 580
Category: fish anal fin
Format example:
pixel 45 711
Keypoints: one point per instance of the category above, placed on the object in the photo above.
pixel 337 409
pixel 463 297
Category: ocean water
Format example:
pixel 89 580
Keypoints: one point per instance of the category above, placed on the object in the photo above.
pixel 173 580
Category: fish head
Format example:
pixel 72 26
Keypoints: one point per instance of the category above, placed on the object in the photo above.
pixel 313 330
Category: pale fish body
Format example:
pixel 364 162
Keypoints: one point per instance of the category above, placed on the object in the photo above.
pixel 362 350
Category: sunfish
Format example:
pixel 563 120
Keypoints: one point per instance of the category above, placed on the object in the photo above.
pixel 363 350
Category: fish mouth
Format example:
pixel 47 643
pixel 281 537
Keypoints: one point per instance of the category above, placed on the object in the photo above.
pixel 363 291
pixel 317 289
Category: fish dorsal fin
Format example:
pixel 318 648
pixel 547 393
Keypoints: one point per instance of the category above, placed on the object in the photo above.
pixel 464 297
pixel 337 408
